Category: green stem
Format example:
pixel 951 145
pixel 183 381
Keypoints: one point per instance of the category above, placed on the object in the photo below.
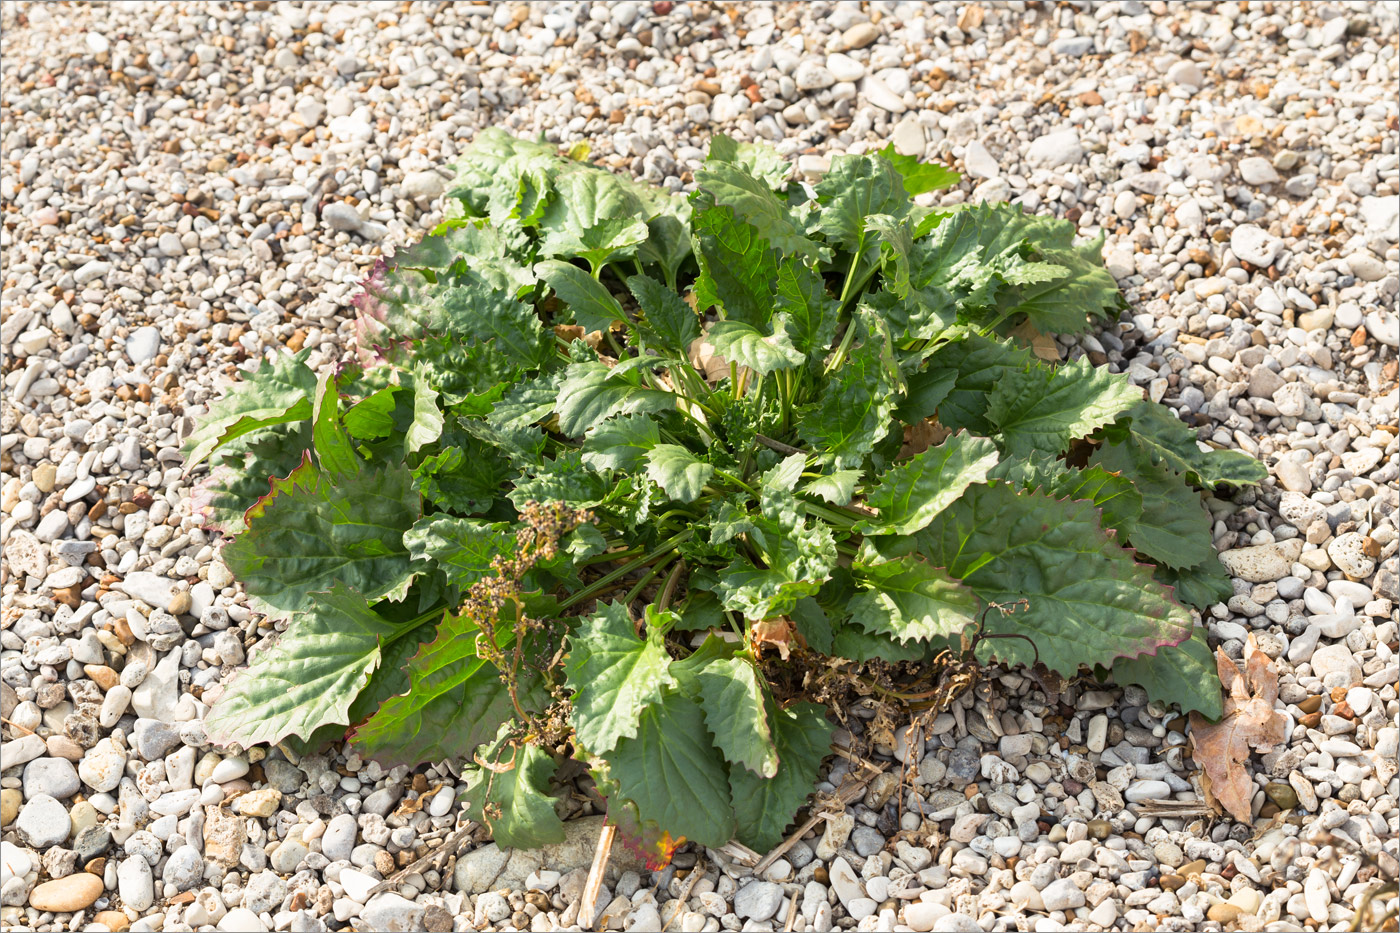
pixel 602 584
pixel 840 354
pixel 636 591
pixel 738 482
pixel 836 518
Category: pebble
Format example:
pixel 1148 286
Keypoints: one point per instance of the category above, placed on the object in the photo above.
pixel 1255 245
pixel 42 822
pixel 758 900
pixel 66 895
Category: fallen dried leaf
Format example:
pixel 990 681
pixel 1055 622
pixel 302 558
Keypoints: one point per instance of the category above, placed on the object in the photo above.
pixel 1249 722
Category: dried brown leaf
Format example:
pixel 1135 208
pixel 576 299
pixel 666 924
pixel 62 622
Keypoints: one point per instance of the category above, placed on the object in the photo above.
pixel 1249 721
pixel 1042 345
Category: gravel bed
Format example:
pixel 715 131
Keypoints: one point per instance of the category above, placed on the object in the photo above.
pixel 188 187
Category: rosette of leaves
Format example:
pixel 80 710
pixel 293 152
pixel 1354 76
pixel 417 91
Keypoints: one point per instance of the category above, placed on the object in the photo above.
pixel 790 423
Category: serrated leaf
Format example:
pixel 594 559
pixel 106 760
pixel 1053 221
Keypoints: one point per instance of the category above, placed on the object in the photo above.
pixel 280 391
pixel 465 478
pixel 910 599
pixel 333 448
pixel 1174 528
pixel 1183 674
pixel 595 216
pixel 836 487
pixel 670 770
pixel 616 677
pixel 514 803
pixel 593 306
pixel 909 495
pixel 760 161
pixel 749 346
pixel 920 177
pixel 563 479
pixel 461 547
pixel 313 530
pixel 242 472
pixel 1166 440
pixel 666 313
pixel 1119 503
pixel 854 188
pixel 372 417
pixel 730 185
pixel 454 701
pixel 622 443
pixel 856 644
pixel 853 412
pixel 978 365
pixel 427 418
pixel 811 314
pixel 1086 600
pixel 733 699
pixel 588 397
pixel 798 560
pixel 764 808
pixel 679 472
pixel 308 677
pixel 1044 408
pixel 510 327
pixel 1202 586
pixel 737 266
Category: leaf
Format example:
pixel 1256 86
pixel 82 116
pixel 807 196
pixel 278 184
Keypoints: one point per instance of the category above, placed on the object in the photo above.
pixel 514 803
pixel 1248 721
pixel 731 186
pixel 911 494
pixel 811 314
pixel 372 417
pixel 737 266
pixel 563 479
pixel 1183 674
pixel 595 216
pixel 920 177
pixel 909 599
pixel 668 241
pixel 461 547
pixel 1086 601
pixel 308 677
pixel 760 161
pixel 765 808
pixel 855 187
pixel 333 448
pixel 313 530
pixel 453 702
pixel 749 346
pixel 666 313
pixel 1044 408
pixel 927 390
pixel 856 644
pixel 799 560
pixel 733 698
pixel 678 471
pixel 588 397
pixel 427 419
pixel 593 306
pixel 854 409
pixel 1118 501
pixel 812 624
pixel 622 443
pixel 242 472
pixel 836 487
pixel 1174 527
pixel 1202 586
pixel 280 391
pixel 670 771
pixel 616 677
pixel 464 478
pixel 1167 441
pixel 979 366
pixel 492 316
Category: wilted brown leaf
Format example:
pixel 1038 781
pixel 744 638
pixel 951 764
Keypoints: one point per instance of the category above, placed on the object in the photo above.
pixel 1042 345
pixel 920 437
pixel 704 358
pixel 778 632
pixel 1249 722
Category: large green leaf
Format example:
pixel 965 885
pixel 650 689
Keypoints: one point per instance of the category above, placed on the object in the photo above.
pixel 280 391
pixel 854 410
pixel 588 397
pixel 622 443
pixel 308 677
pixel 909 495
pixel 730 185
pixel 1167 441
pixel 615 675
pixel 242 472
pixel 855 187
pixel 798 561
pixel 735 704
pixel 313 530
pixel 1174 527
pixel 1043 408
pixel 563 479
pixel 750 346
pixel 679 472
pixel 737 266
pixel 920 177
pixel 667 314
pixel 1118 501
pixel 512 798
pixel 595 216
pixel 670 770
pixel 1202 586
pixel 460 547
pixel 765 807
pixel 593 306
pixel 334 449
pixel 811 314
pixel 1184 674
pixel 1086 601
pixel 909 599
pixel 978 365
pixel 762 162
pixel 464 478
pixel 835 487
pixel 427 417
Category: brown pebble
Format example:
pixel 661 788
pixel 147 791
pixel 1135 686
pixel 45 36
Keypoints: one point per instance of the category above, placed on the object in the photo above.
pixel 70 596
pixel 113 920
pixel 102 675
pixel 384 862
pixel 66 895
pixel 1192 868
pixel 61 746
pixel 820 875
pixel 1170 882
pixel 1313 703
pixel 1224 913
pixel 179 603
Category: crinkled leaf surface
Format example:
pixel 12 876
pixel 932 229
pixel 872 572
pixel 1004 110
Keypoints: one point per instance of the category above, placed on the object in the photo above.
pixel 737 266
pixel 514 803
pixel 463 548
pixel 1118 500
pixel 853 412
pixel 615 675
pixel 1043 408
pixel 734 701
pixel 679 472
pixel 909 495
pixel 667 314
pixel 762 162
pixel 765 807
pixel 749 346
pixel 279 391
pixel 622 443
pixel 588 397
pixel 1183 674
pixel 1169 442
pixel 909 599
pixel 1174 527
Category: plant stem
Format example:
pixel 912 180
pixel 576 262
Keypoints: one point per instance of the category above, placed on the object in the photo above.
pixel 600 585
pixel 736 481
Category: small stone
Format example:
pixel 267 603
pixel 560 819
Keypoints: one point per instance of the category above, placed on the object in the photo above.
pixel 66 895
pixel 758 900
pixel 1336 660
pixel 136 883
pixel 260 803
pixel 55 777
pixel 1262 563
pixel 1348 553
pixel 1254 245
pixel 391 913
pixel 1053 149
pixel 1257 171
pixel 1283 796
pixel 1186 72
pixel 1062 895
pixel 143 344
pixel 43 822
pixel 10 799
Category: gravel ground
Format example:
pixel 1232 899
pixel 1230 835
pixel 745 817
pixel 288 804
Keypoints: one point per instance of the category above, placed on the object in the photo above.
pixel 188 187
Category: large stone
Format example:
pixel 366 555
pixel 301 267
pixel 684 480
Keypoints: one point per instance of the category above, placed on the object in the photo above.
pixel 43 822
pixel 66 895
pixel 1052 149
pixel 490 867
pixel 1262 563
pixel 1255 245
pixel 391 913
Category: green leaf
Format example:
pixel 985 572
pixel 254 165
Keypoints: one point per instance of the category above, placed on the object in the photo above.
pixel 737 266
pixel 427 418
pixel 911 494
pixel 333 448
pixel 588 397
pixel 910 599
pixel 856 644
pixel 1202 586
pixel 462 548
pixel 308 677
pixel 595 216
pixel 514 803
pixel 313 530
pixel 855 187
pixel 854 410
pixel 836 487
pixel 812 624
pixel 1184 674
pixel 731 186
pixel 241 474
pixel 1174 528
pixel 799 561
pixel 1086 600
pixel 669 769
pixel 668 240
pixel 563 479
pixel 616 677
pixel 1169 442
pixel 279 392
pixel 678 471
pixel 1045 408
pixel 734 701
pixel 920 177
pixel 621 444
pixel 372 417
pixel 454 701
pixel 760 161
pixel 666 313
pixel 749 346
pixel 493 317
pixel 927 390
pixel 1119 503
pixel 978 365
pixel 811 314
pixel 593 306
pixel 765 808
pixel 465 478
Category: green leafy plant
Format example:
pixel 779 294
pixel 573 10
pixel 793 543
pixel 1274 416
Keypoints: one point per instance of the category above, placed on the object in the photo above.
pixel 635 477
